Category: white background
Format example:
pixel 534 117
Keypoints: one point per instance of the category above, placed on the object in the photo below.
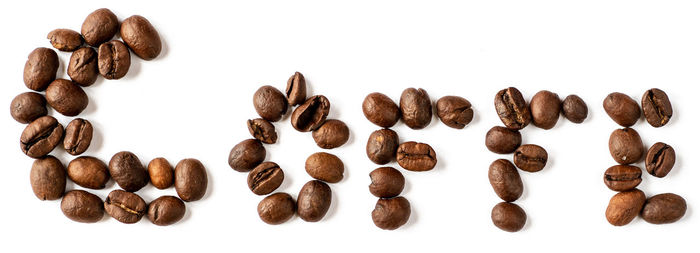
pixel 194 99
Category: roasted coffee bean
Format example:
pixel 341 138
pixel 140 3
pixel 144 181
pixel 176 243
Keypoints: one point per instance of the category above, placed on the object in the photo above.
pixel 161 173
pixel 190 180
pixel 128 171
pixel 166 210
pixel 387 182
pixel 545 108
pixel 416 109
pixel 88 172
pixel 382 145
pixel 265 178
pixel 501 140
pixel 313 201
pixel 311 114
pixel 82 206
pixel 622 109
pixel 530 158
pixel 381 110
pixel 262 130
pixel 664 208
pixel 100 26
pixel 48 178
pixel 624 207
pixel 508 217
pixel 82 67
pixel 276 208
pixel 40 68
pixel 113 59
pixel 296 89
pixel 390 214
pixel 27 107
pixel 41 136
pixel 626 146
pixel 657 107
pixel 246 155
pixel 78 136
pixel 141 37
pixel 332 134
pixel 512 108
pixel 65 40
pixel 454 111
pixel 66 97
pixel 270 103
pixel 660 159
pixel 416 156
pixel 622 177
pixel 505 180
pixel 574 109
pixel 126 207
pixel 326 167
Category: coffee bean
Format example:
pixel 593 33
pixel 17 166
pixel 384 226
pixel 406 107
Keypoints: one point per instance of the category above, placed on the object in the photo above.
pixel 161 173
pixel 512 108
pixel 262 130
pixel 624 207
pixel 78 136
pixel 48 178
pixel 82 206
pixel 66 97
pixel 574 109
pixel 416 109
pixel 416 156
pixel 246 155
pixel 296 89
pixel 128 171
pixel 265 178
pixel 125 207
pixel 270 103
pixel 65 40
pixel 313 201
pixel 390 214
pixel 660 159
pixel 27 107
pixel 311 114
pixel 622 177
pixel 41 136
pixel 657 107
pixel 505 180
pixel 664 208
pixel 276 208
pixel 622 109
pixel 626 146
pixel 508 217
pixel 382 145
pixel 454 111
pixel 381 110
pixel 326 167
pixel 100 26
pixel 545 108
pixel 82 67
pixel 88 172
pixel 387 182
pixel 113 59
pixel 190 180
pixel 166 210
pixel 530 158
pixel 332 134
pixel 141 37
pixel 501 140
pixel 40 68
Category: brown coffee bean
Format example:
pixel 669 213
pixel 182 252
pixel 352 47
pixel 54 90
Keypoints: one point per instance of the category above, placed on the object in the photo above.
pixel 82 67
pixel 332 134
pixel 41 136
pixel 262 130
pixel 545 108
pixel 530 158
pixel 501 140
pixel 626 146
pixel 265 178
pixel 270 103
pixel 100 26
pixel 454 111
pixel 416 108
pixel 166 210
pixel 508 217
pixel 313 201
pixel 657 107
pixel 113 60
pixel 128 171
pixel 664 208
pixel 382 145
pixel 88 172
pixel 416 156
pixel 512 108
pixel 387 182
pixel 326 167
pixel 311 114
pixel 190 180
pixel 78 136
pixel 390 214
pixel 48 178
pixel 505 180
pixel 622 177
pixel 246 155
pixel 65 40
pixel 82 206
pixel 66 97
pixel 125 207
pixel 660 159
pixel 161 173
pixel 27 107
pixel 141 37
pixel 624 207
pixel 381 110
pixel 296 89
pixel 276 208
pixel 40 68
pixel 574 109
pixel 622 109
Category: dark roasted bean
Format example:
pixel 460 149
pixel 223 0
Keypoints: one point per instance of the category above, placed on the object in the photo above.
pixel 416 108
pixel 66 97
pixel 270 103
pixel 262 130
pixel 660 159
pixel 82 206
pixel 505 180
pixel 416 156
pixel 530 158
pixel 508 217
pixel 65 40
pixel 40 68
pixel 296 89
pixel 390 214
pixel 545 108
pixel 265 178
pixel 657 107
pixel 166 210
pixel 48 178
pixel 78 136
pixel 128 171
pixel 100 26
pixel 141 37
pixel 41 136
pixel 454 111
pixel 381 110
pixel 501 140
pixel 113 59
pixel 664 208
pixel 622 177
pixel 88 172
pixel 82 67
pixel 326 167
pixel 512 108
pixel 246 155
pixel 190 180
pixel 313 201
pixel 574 109
pixel 276 208
pixel 332 134
pixel 387 182
pixel 311 114
pixel 27 107
pixel 382 145
pixel 126 207
pixel 624 207
pixel 626 146
pixel 622 109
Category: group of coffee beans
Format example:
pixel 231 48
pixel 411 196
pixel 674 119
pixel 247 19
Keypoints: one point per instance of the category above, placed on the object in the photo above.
pixel 314 198
pixel 43 133
pixel 416 111
pixel 515 113
pixel 626 148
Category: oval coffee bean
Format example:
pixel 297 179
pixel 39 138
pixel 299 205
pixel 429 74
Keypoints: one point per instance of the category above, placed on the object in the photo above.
pixel 126 207
pixel 622 177
pixel 41 136
pixel 530 158
pixel 626 146
pixel 381 110
pixel 246 155
pixel 454 111
pixel 624 207
pixel 416 156
pixel 265 178
pixel 161 173
pixel 311 114
pixel 48 178
pixel 382 145
pixel 40 68
pixel 505 180
pixel 27 107
pixel 128 171
pixel 545 107
pixel 66 97
pixel 501 140
pixel 387 182
pixel 622 109
pixel 100 26
pixel 332 134
pixel 660 159
pixel 512 108
pixel 262 130
pixel 664 208
pixel 78 136
pixel 296 89
pixel 313 201
pixel 574 109
pixel 416 109
pixel 82 67
pixel 141 37
pixel 326 167
pixel 65 40
pixel 190 180
pixel 657 107
pixel 166 210
pixel 270 103
pixel 88 172
pixel 276 208
pixel 390 214
pixel 82 206
pixel 508 217
pixel 113 60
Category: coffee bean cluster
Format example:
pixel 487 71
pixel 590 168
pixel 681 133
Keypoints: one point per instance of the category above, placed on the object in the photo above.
pixel 264 177
pixel 514 111
pixel 627 149
pixel 94 52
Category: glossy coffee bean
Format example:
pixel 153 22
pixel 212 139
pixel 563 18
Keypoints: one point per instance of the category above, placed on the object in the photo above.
pixel 311 114
pixel 41 136
pixel 622 109
pixel 313 201
pixel 325 167
pixel 166 210
pixel 65 40
pixel 505 180
pixel 512 108
pixel 40 68
pixel 27 107
pixel 190 180
pixel 246 155
pixel 664 208
pixel 128 171
pixel 508 217
pixel 545 108
pixel 387 182
pixel 381 110
pixel 113 60
pixel 82 67
pixel 270 103
pixel 416 156
pixel 66 97
pixel 276 208
pixel 88 172
pixel 390 214
pixel 161 173
pixel 416 108
pixel 265 178
pixel 48 178
pixel 657 107
pixel 141 37
pixel 660 159
pixel 126 207
pixel 382 145
pixel 332 134
pixel 82 206
pixel 626 146
pixel 574 109
pixel 501 140
pixel 78 136
pixel 99 27
pixel 622 177
pixel 262 130
pixel 624 207
pixel 296 89
pixel 530 158
pixel 454 111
